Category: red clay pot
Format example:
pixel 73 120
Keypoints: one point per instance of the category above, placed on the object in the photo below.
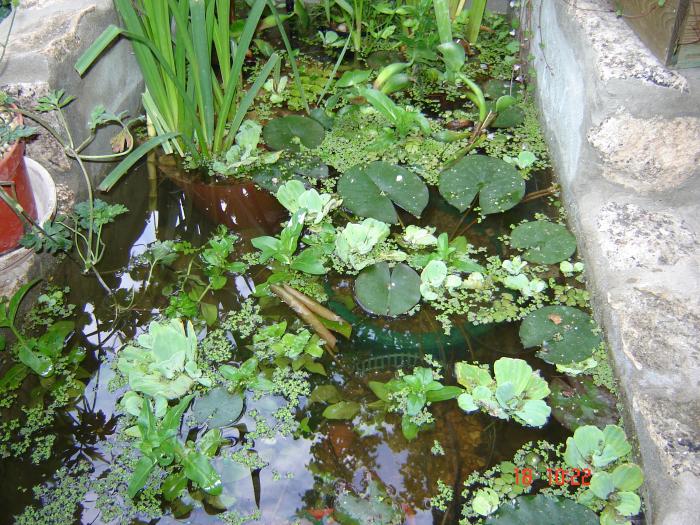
pixel 13 169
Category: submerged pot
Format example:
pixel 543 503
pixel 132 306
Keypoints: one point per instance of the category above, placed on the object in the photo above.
pixel 240 205
pixel 14 170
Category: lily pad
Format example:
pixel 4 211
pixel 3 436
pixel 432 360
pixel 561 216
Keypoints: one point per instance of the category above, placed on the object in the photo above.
pixel 218 408
pixel 383 291
pixel 566 334
pixel 291 131
pixel 375 508
pixel 579 401
pixel 509 118
pixel 545 242
pixel 542 510
pixel 499 185
pixel 373 189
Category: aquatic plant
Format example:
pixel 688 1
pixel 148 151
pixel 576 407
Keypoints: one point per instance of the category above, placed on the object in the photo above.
pixel 354 242
pixel 185 94
pixel 410 395
pixel 244 152
pixel 595 449
pixel 402 120
pixel 382 290
pixel 294 196
pixel 516 392
pixel 162 365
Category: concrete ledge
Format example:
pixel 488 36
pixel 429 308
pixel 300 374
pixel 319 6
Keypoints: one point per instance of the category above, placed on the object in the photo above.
pixel 624 132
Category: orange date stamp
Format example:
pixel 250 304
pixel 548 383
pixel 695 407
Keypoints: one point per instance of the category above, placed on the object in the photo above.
pixel 574 477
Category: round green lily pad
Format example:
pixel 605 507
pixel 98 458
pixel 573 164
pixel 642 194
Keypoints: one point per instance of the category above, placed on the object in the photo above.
pixel 542 510
pixel 566 334
pixel 291 131
pixel 509 118
pixel 218 408
pixel 372 191
pixel 384 291
pixel 545 242
pixel 578 401
pixel 499 185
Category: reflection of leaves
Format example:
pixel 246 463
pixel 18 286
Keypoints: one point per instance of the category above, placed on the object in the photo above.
pixel 375 507
pixel 342 410
pixel 542 510
pixel 218 408
pixel 570 340
pixel 579 401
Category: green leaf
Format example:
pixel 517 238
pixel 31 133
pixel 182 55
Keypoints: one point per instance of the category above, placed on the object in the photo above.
pixel 173 485
pixel 140 476
pixel 40 364
pixel 210 313
pixel 542 510
pixel 628 503
pixel 545 242
pixel 199 469
pixel 353 78
pixel 514 371
pixel 325 394
pixel 579 401
pixel 466 403
pixel 11 310
pixel 443 394
pixel 509 118
pixel 565 334
pixel 383 291
pixel 291 131
pixel 101 43
pixel 51 342
pixel 534 413
pixel 485 501
pixel 602 485
pixel 373 508
pixel 125 165
pixel 218 408
pixel 627 477
pixel 409 429
pixel 309 261
pixel 499 185
pixel 380 390
pixel 369 191
pixel 342 410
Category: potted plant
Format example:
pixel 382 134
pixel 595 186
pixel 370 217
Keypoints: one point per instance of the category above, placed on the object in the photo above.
pixel 13 176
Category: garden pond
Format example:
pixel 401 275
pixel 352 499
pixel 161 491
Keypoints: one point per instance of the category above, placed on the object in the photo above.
pixel 378 318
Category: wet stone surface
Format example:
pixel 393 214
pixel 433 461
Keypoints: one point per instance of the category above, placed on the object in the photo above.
pixel 632 237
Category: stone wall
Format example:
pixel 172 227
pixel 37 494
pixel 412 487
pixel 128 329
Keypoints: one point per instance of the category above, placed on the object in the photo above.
pixel 47 38
pixel 625 135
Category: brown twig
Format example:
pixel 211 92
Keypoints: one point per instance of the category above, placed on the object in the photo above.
pixel 540 193
pixel 307 316
pixel 314 306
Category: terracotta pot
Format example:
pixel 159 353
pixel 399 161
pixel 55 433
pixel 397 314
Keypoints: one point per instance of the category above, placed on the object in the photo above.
pixel 240 205
pixel 13 169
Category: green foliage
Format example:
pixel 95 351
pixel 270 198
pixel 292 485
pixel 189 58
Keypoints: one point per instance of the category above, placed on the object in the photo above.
pixel 402 120
pixel 372 191
pixel 218 408
pixel 384 291
pixel 342 410
pixel 294 196
pixel 354 242
pixel 435 279
pixel 283 249
pixel 615 492
pixel 247 376
pixel 542 510
pixel 374 507
pixel 498 184
pixel 595 449
pixel 411 395
pixel 544 242
pixel 516 392
pixel 566 334
pixel 162 365
pixel 456 254
pixel 159 443
pixel 274 344
pixel 244 152
pixel 184 91
pixel 292 132
pixel 579 401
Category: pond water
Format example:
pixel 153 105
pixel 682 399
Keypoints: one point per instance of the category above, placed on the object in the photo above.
pixel 302 469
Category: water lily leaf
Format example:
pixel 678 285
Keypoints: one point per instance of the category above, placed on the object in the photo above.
pixel 499 185
pixel 510 117
pixel 566 334
pixel 291 131
pixel 579 401
pixel 544 242
pixel 372 191
pixel 543 510
pixel 383 291
pixel 375 508
pixel 342 410
pixel 218 408
pixel 325 394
